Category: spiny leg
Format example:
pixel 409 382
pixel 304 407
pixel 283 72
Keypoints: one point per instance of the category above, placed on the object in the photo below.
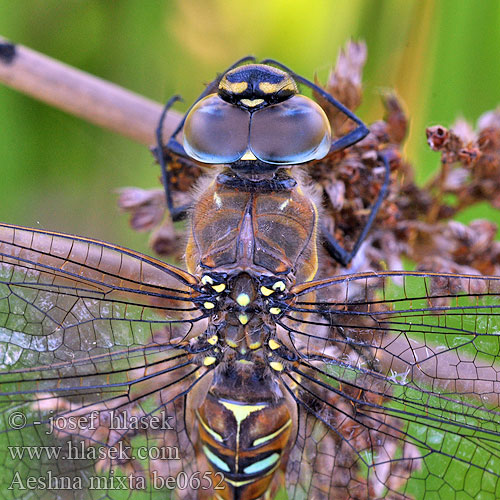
pixel 347 140
pixel 333 247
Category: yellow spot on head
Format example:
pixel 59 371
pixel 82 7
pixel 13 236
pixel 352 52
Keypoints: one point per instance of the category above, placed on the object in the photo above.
pixel 248 156
pixel 286 84
pixel 273 344
pixel 279 285
pixel 275 310
pixel 266 291
pixel 243 319
pixel 255 345
pixel 276 365
pixel 243 299
pixel 208 305
pixel 234 87
pixel 219 288
pixel 269 88
pixel 209 360
pixel 213 340
pixel 251 102
pixel 232 344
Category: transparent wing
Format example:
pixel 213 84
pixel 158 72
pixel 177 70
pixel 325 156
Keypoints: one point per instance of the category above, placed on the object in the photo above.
pixel 396 378
pixel 92 369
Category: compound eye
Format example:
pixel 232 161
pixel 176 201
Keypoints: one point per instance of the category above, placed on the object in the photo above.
pixel 294 131
pixel 216 131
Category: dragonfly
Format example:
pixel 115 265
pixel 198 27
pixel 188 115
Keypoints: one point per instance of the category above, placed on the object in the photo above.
pixel 247 374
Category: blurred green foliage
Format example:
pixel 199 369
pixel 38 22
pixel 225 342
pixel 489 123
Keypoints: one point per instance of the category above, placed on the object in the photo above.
pixel 58 172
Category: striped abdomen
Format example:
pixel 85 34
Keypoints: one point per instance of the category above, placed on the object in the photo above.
pixel 246 442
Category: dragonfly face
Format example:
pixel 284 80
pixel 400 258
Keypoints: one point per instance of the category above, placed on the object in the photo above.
pixel 246 373
pixel 257 114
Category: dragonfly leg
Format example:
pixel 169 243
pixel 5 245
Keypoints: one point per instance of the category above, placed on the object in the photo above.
pixel 350 138
pixel 333 247
pixel 163 154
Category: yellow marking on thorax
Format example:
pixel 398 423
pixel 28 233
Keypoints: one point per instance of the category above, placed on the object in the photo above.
pixel 244 362
pixel 243 319
pixel 219 288
pixel 217 200
pixel 209 360
pixel 243 299
pixel 314 257
pixel 237 484
pixel 273 344
pixel 207 280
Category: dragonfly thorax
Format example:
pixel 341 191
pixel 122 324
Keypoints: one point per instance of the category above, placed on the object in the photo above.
pixel 244 308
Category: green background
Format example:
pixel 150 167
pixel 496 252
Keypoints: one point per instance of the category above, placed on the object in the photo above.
pixel 57 172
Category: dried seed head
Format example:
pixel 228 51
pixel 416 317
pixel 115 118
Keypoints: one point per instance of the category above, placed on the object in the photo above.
pixel 146 207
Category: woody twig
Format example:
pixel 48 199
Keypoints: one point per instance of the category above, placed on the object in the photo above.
pixel 89 97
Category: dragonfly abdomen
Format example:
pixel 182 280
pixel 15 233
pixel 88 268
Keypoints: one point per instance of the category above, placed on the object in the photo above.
pixel 245 441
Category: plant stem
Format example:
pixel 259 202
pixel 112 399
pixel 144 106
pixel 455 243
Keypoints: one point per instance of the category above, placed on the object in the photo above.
pixel 89 97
